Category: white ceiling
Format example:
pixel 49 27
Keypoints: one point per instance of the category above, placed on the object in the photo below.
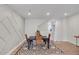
pixel 39 10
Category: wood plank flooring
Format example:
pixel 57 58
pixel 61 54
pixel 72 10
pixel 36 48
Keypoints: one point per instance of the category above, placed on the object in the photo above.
pixel 62 48
pixel 68 48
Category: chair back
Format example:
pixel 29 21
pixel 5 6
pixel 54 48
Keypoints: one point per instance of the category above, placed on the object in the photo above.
pixel 26 37
pixel 49 36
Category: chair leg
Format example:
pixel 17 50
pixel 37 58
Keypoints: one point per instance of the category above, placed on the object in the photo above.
pixel 48 45
pixel 28 45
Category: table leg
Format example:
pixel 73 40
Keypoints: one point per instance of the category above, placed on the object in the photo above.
pixel 76 41
pixel 48 44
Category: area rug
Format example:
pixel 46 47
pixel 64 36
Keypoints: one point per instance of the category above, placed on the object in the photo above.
pixel 53 50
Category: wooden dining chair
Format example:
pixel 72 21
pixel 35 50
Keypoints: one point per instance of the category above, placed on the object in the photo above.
pixel 28 41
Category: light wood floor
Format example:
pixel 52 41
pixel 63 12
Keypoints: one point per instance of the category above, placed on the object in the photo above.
pixel 62 48
pixel 68 48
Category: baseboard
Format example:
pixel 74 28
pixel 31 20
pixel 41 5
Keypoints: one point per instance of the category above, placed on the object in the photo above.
pixel 15 49
pixel 61 40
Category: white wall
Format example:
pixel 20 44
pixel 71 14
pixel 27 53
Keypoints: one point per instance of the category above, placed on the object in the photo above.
pixel 31 26
pixel 67 28
pixel 73 28
pixel 58 31
pixel 43 27
pixel 11 30
pixel 61 30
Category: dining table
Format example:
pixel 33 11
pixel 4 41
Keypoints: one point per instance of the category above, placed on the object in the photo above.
pixel 32 38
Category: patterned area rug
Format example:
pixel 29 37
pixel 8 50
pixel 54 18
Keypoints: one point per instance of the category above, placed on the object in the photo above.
pixel 40 51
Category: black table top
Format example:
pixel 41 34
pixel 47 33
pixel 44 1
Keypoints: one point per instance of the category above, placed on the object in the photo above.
pixel 33 37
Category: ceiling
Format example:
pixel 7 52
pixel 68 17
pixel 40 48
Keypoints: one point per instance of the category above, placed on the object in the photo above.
pixel 38 11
